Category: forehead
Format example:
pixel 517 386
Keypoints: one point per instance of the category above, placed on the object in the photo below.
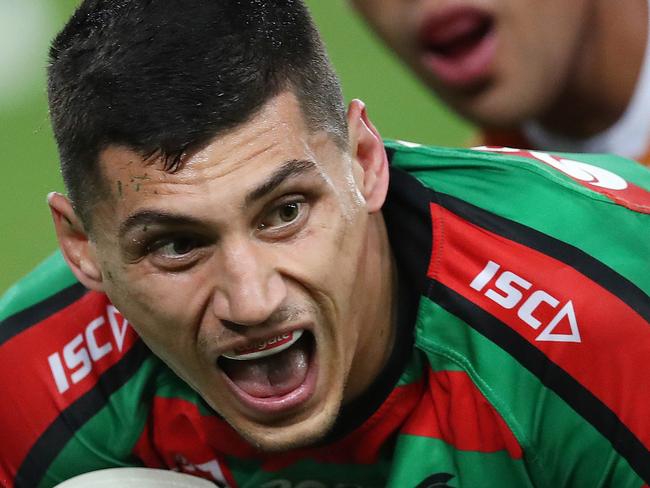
pixel 232 162
pixel 279 123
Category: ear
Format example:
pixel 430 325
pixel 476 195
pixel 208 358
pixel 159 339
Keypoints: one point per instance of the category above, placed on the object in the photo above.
pixel 368 151
pixel 78 250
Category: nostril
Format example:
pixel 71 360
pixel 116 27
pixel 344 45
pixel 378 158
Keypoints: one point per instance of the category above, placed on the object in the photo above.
pixel 238 327
pixel 231 325
pixel 247 299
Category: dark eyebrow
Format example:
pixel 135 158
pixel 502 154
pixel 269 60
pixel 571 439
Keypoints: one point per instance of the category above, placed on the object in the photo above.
pixel 155 217
pixel 290 169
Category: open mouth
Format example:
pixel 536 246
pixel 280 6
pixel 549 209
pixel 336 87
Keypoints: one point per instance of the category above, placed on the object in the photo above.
pixel 455 36
pixel 271 369
pixel 458 44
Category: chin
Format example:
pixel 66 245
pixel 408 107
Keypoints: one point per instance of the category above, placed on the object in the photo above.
pixel 493 113
pixel 489 105
pixel 289 434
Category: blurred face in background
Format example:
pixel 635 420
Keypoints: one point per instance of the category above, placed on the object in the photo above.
pixel 497 62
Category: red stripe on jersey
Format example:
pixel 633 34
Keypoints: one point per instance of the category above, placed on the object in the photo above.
pixel 455 411
pixel 592 177
pixel 558 310
pixel 178 436
pixel 145 449
pixel 51 364
pixel 363 445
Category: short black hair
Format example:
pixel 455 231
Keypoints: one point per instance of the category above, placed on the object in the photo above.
pixel 164 76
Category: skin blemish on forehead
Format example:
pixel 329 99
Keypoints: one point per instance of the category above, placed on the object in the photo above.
pixel 145 218
pixel 119 188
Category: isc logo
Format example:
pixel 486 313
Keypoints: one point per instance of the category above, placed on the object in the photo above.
pixel 75 361
pixel 509 290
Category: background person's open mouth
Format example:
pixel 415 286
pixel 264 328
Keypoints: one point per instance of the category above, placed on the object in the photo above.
pixel 458 45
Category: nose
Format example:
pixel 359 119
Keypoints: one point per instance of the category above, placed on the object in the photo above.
pixel 249 288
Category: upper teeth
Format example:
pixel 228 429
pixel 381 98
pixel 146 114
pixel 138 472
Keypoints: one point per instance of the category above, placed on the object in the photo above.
pixel 266 347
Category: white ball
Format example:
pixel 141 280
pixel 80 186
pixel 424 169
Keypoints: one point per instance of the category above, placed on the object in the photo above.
pixel 135 478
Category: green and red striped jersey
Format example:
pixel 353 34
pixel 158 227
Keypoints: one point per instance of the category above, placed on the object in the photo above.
pixel 522 333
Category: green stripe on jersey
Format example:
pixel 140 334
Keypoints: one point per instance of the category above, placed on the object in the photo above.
pixel 308 473
pixel 416 458
pixel 539 419
pixel 48 278
pixel 108 438
pixel 539 196
pixel 170 386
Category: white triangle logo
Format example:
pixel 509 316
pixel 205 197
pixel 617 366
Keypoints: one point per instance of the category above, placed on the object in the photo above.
pixel 119 330
pixel 567 311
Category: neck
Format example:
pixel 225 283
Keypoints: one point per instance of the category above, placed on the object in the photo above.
pixel 378 316
pixel 606 70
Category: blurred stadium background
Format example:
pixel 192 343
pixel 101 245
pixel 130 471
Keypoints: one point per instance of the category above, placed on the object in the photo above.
pixel 399 106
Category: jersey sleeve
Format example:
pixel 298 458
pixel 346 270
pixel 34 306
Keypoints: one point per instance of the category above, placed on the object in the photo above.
pixel 538 287
pixel 71 370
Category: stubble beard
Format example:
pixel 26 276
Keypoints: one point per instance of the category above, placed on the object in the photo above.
pixel 282 437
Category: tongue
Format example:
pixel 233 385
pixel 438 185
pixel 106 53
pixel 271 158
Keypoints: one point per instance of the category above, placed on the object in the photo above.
pixel 270 376
pixel 455 35
pixel 453 30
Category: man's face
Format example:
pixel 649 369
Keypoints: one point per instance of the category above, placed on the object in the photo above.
pixel 262 238
pixel 497 62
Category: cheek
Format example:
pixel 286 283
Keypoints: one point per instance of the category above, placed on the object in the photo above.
pixel 371 10
pixel 325 257
pixel 159 310
pixel 314 258
pixel 388 19
pixel 526 66
pixel 539 37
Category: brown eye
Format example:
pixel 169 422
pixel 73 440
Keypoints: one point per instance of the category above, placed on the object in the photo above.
pixel 289 211
pixel 283 215
pixel 178 252
pixel 178 247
